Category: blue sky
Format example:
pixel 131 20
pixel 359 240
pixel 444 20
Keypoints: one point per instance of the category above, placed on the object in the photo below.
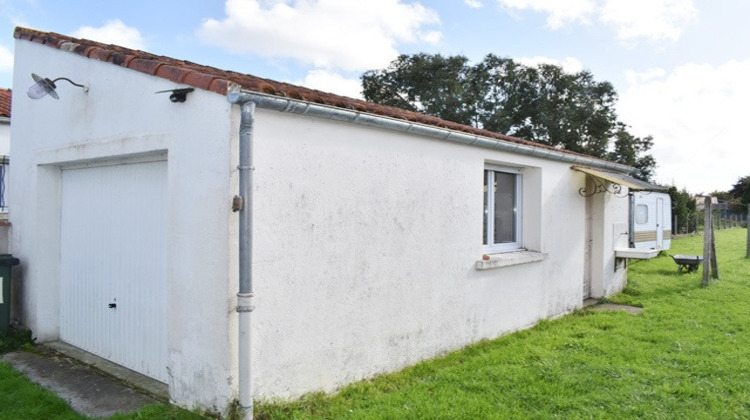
pixel 680 66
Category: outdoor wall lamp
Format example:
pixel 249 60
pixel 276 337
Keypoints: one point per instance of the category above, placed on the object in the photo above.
pixel 44 86
pixel 178 95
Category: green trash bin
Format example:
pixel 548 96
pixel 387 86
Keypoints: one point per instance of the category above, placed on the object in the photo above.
pixel 7 262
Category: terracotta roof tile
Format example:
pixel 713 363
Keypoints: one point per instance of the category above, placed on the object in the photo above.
pixel 99 53
pixel 5 99
pixel 173 73
pixel 218 81
pixel 199 80
pixel 145 65
pixel 220 86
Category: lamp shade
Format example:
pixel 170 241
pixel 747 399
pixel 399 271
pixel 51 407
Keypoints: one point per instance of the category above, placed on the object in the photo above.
pixel 41 87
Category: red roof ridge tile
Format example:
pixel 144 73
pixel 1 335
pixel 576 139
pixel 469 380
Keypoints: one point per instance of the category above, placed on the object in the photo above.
pixel 218 81
pixel 6 96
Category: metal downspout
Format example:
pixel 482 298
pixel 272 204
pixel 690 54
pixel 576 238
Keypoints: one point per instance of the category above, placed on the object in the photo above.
pixel 245 294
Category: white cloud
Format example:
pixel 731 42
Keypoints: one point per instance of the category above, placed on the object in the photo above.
pixel 651 19
pixel 560 12
pixel 640 77
pixel 696 114
pixel 6 59
pixel 632 19
pixel 332 82
pixel 569 64
pixel 345 34
pixel 474 4
pixel 113 32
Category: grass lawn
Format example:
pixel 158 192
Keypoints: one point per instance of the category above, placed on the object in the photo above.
pixel 686 356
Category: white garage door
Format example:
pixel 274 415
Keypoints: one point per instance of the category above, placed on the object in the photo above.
pixel 113 264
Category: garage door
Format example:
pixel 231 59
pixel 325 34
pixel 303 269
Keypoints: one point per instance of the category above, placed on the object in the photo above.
pixel 113 264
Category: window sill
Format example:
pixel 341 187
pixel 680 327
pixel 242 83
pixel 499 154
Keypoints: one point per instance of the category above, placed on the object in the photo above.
pixel 508 259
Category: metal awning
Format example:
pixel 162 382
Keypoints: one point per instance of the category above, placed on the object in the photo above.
pixel 603 177
pixel 620 179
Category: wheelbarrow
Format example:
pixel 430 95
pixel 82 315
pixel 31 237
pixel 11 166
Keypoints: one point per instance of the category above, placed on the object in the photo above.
pixel 689 263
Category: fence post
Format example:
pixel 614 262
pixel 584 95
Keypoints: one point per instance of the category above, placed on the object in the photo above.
pixel 707 228
pixel 747 223
pixel 697 219
pixel 714 264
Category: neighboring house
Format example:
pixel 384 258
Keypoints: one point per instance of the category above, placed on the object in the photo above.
pixel 5 106
pixel 700 202
pixel 379 237
pixel 5 100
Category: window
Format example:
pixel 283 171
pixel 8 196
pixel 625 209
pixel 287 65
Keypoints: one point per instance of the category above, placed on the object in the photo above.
pixel 641 214
pixel 502 209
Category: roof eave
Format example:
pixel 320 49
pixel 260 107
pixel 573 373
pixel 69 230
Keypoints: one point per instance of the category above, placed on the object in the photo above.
pixel 236 95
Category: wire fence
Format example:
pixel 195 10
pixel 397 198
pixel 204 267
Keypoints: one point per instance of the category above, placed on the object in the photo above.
pixel 722 219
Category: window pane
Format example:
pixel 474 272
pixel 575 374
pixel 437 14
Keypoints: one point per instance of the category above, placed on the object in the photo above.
pixel 505 207
pixel 641 214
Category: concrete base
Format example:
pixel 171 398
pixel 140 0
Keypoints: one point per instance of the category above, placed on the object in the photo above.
pixel 88 391
pixel 134 379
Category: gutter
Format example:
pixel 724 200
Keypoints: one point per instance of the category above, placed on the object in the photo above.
pixel 235 94
pixel 245 295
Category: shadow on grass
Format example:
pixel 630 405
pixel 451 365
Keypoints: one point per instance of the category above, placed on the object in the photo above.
pixel 15 339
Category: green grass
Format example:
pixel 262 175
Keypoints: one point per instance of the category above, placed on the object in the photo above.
pixel 686 356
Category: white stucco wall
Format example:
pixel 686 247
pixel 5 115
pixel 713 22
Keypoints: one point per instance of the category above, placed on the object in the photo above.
pixel 121 117
pixel 365 247
pixel 609 231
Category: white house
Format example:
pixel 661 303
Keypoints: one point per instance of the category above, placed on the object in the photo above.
pixel 5 99
pixel 5 109
pixel 372 237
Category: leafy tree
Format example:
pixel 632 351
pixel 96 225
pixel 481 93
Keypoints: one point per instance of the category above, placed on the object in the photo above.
pixel 404 85
pixel 730 202
pixel 543 103
pixel 631 150
pixel 741 190
pixel 683 210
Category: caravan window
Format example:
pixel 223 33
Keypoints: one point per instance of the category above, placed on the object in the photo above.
pixel 641 214
pixel 502 209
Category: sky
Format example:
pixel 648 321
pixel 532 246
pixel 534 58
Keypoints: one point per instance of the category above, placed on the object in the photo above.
pixel 681 67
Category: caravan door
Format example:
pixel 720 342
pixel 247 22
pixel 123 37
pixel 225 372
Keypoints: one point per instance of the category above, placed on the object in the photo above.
pixel 659 223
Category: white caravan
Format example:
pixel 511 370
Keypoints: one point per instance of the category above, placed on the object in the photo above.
pixel 650 220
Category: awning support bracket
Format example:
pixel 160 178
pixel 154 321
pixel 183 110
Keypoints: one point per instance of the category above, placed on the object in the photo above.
pixel 601 186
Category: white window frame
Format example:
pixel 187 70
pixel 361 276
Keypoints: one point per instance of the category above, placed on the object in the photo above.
pixel 489 220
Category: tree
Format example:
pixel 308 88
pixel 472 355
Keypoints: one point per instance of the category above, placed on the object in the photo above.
pixel 732 200
pixel 683 210
pixel 631 150
pixel 741 190
pixel 404 85
pixel 543 103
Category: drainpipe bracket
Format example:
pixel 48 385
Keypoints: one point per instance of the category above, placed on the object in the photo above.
pixel 245 302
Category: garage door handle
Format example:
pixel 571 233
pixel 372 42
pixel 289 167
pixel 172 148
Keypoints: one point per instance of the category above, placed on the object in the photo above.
pixel 112 305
